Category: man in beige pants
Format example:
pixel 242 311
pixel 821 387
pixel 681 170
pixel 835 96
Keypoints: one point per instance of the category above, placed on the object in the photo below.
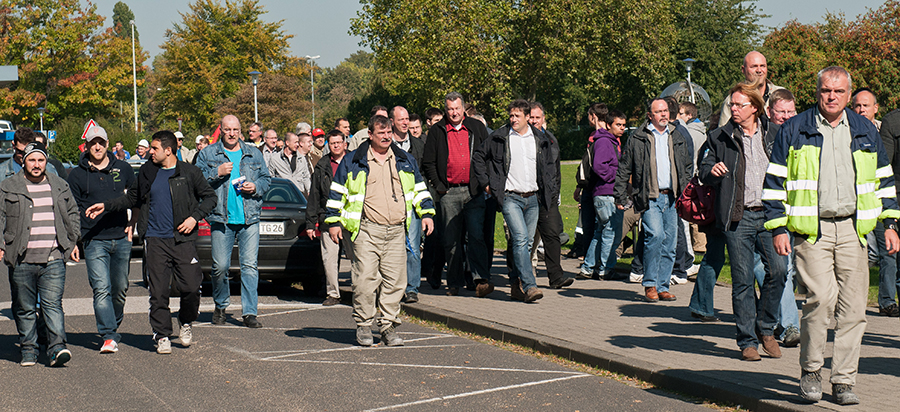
pixel 373 196
pixel 830 167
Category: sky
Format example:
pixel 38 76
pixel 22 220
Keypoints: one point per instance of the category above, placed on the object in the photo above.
pixel 320 27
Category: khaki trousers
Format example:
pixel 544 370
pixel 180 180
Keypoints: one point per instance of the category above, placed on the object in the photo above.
pixel 835 273
pixel 378 271
pixel 331 256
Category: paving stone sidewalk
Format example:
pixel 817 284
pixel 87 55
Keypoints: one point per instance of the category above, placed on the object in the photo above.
pixel 608 323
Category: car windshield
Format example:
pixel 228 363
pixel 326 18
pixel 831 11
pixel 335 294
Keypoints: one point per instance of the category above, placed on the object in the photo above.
pixel 284 191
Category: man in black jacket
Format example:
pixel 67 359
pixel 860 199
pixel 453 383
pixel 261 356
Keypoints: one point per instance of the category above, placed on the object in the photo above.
pixel 519 168
pixel 107 240
pixel 173 196
pixel 447 165
pixel 415 147
pixel 319 191
pixel 657 161
pixel 735 166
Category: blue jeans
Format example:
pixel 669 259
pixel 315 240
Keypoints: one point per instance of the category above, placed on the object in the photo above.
pixel 414 254
pixel 788 314
pixel 710 267
pixel 601 253
pixel 107 263
pixel 521 215
pixel 223 238
pixel 754 314
pixel 45 282
pixel 888 282
pixel 660 226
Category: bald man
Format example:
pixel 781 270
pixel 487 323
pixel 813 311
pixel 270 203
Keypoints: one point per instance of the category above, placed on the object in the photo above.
pixel 754 67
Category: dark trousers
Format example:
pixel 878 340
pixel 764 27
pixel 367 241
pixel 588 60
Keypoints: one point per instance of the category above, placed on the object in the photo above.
pixel 433 253
pixel 165 260
pixel 588 217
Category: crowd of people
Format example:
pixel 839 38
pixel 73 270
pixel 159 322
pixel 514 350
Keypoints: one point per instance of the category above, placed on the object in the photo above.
pixel 800 200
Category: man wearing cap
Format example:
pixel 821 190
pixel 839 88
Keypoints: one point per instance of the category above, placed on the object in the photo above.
pixel 318 148
pixel 172 196
pixel 183 153
pixel 143 150
pixel 202 142
pixel 107 240
pixel 21 138
pixel 39 220
pixel 238 174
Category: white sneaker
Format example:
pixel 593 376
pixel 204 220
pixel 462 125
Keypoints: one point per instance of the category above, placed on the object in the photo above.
pixel 675 280
pixel 635 278
pixel 109 346
pixel 163 346
pixel 693 269
pixel 186 334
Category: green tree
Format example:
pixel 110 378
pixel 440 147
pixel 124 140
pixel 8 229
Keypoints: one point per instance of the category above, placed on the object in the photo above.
pixel 121 20
pixel 351 80
pixel 207 56
pixel 283 101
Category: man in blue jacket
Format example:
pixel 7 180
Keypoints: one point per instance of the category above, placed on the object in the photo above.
pixel 238 174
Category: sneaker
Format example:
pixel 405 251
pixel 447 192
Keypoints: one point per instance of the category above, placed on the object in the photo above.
pixel 251 322
pixel 331 301
pixel 186 334
pixel 892 311
pixel 635 278
pixel 584 276
pixel 484 289
pixel 218 317
pixel 163 346
pixel 109 346
pixel 28 359
pixel 533 294
pixel 693 269
pixel 843 394
pixel 390 337
pixel 811 385
pixel 60 358
pixel 411 297
pixel 364 336
pixel 676 280
pixel 791 337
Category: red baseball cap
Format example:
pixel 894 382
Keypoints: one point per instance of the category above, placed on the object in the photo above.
pixel 318 132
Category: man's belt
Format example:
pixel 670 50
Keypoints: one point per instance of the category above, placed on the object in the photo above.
pixel 526 194
pixel 457 184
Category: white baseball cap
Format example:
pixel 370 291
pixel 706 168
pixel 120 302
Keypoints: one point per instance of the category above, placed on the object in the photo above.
pixel 199 138
pixel 143 143
pixel 178 135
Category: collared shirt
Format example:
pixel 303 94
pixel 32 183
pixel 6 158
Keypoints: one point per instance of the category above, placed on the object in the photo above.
pixel 836 186
pixel 522 177
pixel 459 161
pixel 755 164
pixel 268 153
pixel 384 203
pixel 663 167
pixel 405 144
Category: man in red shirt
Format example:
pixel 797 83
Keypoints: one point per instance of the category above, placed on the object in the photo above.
pixel 447 165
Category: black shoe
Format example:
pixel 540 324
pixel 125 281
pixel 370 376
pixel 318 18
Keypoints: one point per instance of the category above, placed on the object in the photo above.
pixel 572 254
pixel 704 318
pixel 331 301
pixel 892 311
pixel 561 283
pixel 218 317
pixel 411 297
pixel 251 322
pixel 843 394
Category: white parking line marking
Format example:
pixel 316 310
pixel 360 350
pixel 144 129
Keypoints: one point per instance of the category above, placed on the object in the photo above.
pixel 462 395
pixel 354 348
pixel 318 307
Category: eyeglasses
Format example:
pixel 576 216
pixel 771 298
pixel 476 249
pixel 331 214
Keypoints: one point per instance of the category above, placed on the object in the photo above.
pixel 732 105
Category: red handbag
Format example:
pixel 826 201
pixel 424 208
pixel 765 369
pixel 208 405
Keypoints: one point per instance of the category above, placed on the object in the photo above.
pixel 697 203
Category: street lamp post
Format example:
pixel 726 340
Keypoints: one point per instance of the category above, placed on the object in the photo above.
pixel 41 111
pixel 312 82
pixel 688 64
pixel 134 76
pixel 255 76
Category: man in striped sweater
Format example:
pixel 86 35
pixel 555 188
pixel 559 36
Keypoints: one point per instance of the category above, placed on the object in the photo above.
pixel 40 223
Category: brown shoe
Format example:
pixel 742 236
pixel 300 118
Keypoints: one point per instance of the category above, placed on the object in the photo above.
pixel 331 301
pixel 533 294
pixel 770 346
pixel 750 354
pixel 650 294
pixel 516 292
pixel 484 289
pixel 666 296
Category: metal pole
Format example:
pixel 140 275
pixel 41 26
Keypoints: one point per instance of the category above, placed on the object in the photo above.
pixel 42 122
pixel 312 83
pixel 134 77
pixel 255 105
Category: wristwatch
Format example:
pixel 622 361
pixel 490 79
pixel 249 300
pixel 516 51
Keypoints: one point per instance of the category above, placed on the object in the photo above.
pixel 892 226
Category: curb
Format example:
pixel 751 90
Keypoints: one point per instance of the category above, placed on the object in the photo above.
pixel 683 381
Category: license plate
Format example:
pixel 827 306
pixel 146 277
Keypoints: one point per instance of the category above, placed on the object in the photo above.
pixel 271 228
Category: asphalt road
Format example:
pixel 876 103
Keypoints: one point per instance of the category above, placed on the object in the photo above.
pixel 305 358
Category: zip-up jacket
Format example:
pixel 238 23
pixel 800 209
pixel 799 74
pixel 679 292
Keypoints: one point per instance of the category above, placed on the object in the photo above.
pixel 491 163
pixel 791 186
pixel 90 185
pixel 348 189
pixel 638 162
pixel 606 162
pixel 319 191
pixel 727 148
pixel 191 197
pixel 253 168
pixel 15 216
pixel 434 159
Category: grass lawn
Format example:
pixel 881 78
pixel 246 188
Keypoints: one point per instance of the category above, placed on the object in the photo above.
pixel 569 211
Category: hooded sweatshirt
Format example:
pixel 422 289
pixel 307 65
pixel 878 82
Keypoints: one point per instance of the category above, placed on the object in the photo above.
pixel 90 185
pixel 606 162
